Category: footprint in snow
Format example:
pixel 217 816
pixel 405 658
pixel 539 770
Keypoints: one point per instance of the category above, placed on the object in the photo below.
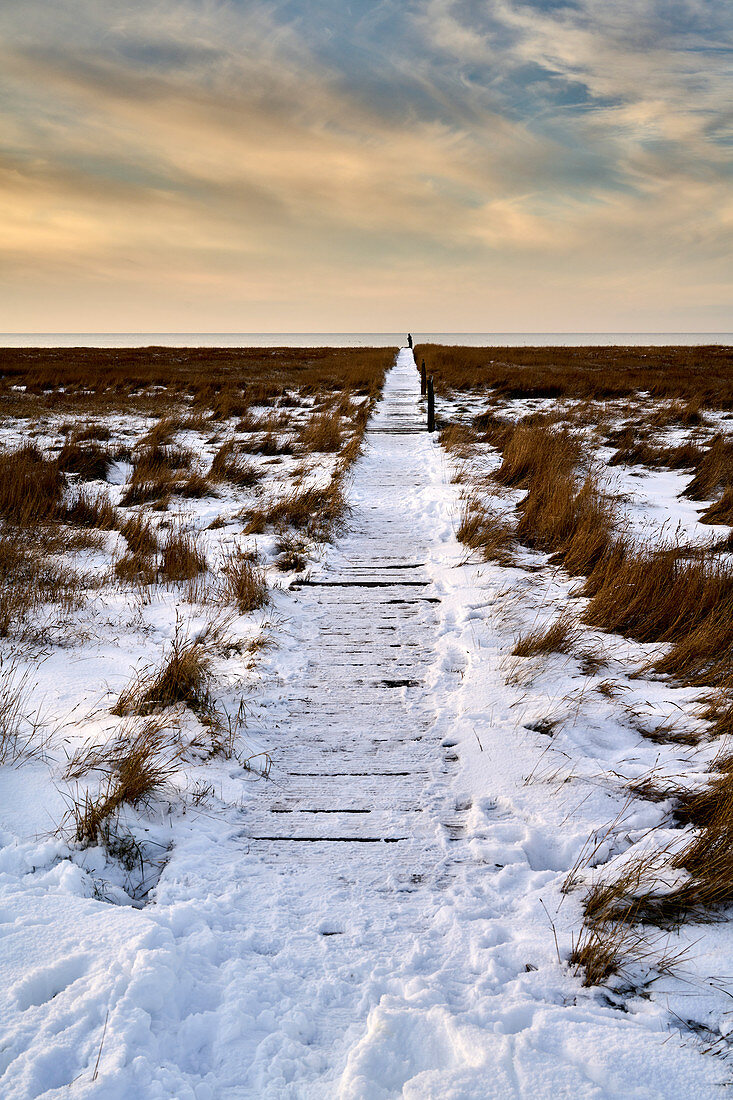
pixel 46 982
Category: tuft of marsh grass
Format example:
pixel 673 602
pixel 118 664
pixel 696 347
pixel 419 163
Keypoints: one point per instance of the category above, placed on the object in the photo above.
pixel 227 465
pixel 655 597
pixel 181 556
pixel 321 434
pixel 268 445
pixel 20 736
pixel 291 554
pixel 183 676
pixel 244 582
pixel 539 455
pixel 483 530
pixel 136 567
pixel 642 453
pixel 318 513
pixel 714 470
pixel 87 460
pixel 137 769
pixel 139 534
pixel 32 575
pixel 558 637
pixel 458 439
pixel 721 511
pixel 31 486
pixel 90 509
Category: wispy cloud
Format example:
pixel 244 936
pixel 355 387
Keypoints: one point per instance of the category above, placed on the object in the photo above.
pixel 325 165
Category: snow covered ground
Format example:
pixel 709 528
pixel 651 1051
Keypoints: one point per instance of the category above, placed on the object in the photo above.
pixel 382 914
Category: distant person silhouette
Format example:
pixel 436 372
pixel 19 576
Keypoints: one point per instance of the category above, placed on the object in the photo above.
pixel 409 339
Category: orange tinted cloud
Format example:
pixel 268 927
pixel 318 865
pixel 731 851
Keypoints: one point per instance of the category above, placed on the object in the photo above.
pixel 231 167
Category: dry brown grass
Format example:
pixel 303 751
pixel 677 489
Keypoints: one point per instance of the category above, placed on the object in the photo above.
pixel 90 509
pixel 601 949
pixel 181 556
pixel 195 486
pixel 101 433
pixel 721 511
pixel 318 513
pixel 87 460
pixel 171 382
pixel 20 730
pixel 592 531
pixel 153 462
pixel 162 433
pixel 680 595
pixel 321 434
pixel 714 470
pixel 161 472
pixel 694 376
pixel 533 452
pixel 244 582
pixel 183 677
pixel 642 453
pixel 687 413
pixel 493 429
pixel 559 637
pixel 139 534
pixel 31 486
pixel 351 450
pixel 459 439
pixel 483 530
pixel 268 444
pixel 227 465
pixel 137 768
pixel 136 568
pixel 653 596
pixel 291 554
pixel 549 512
pixel 704 654
pixel 574 523
pixel 157 490
pixel 31 576
pixel 643 894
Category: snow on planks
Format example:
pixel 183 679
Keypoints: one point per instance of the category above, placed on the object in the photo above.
pixel 363 709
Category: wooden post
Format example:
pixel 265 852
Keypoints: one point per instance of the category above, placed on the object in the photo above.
pixel 423 380
pixel 431 405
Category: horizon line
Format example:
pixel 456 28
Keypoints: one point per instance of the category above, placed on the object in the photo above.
pixel 376 332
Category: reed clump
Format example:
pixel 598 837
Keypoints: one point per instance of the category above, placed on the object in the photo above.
pixel 714 470
pixel 244 582
pixel 87 508
pixel 137 769
pixel 533 452
pixel 31 486
pixel 321 434
pixel 558 637
pixel 655 596
pixel 181 556
pixel 183 677
pixel 482 530
pixel 641 453
pixel 228 465
pixel 86 459
pixel 319 513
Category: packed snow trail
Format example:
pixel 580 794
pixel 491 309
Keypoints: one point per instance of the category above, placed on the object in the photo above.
pixel 372 920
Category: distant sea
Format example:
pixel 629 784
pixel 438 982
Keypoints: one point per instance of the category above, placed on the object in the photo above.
pixel 348 339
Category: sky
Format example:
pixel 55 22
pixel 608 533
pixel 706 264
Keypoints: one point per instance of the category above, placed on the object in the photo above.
pixel 366 165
